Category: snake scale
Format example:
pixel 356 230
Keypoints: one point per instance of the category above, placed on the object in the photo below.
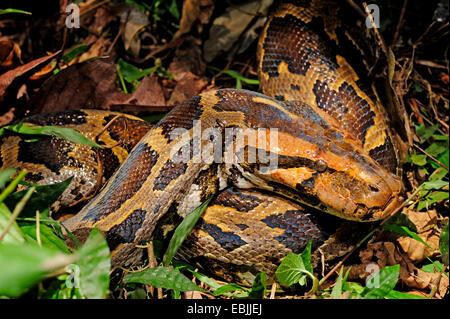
pixel 328 135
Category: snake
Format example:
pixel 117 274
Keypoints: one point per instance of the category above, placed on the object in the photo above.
pixel 280 167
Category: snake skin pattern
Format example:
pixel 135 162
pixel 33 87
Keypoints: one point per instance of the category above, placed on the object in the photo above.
pixel 333 148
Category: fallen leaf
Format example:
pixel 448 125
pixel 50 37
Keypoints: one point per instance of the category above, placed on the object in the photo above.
pixel 133 21
pixel 92 84
pixel 190 13
pixel 187 87
pixel 9 55
pixel 228 27
pixel 6 79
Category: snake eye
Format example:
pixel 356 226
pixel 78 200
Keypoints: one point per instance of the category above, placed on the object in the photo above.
pixel 321 166
pixel 373 188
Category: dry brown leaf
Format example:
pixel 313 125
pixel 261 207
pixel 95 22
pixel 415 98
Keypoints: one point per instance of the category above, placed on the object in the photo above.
pixel 7 78
pixel 425 223
pixel 9 55
pixel 189 13
pixel 96 79
pixel 187 87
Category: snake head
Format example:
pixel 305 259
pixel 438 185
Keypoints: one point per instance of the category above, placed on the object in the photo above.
pixel 332 175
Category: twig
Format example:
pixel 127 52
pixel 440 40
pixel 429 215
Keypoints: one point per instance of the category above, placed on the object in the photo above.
pixel 38 228
pixel 377 34
pixel 399 23
pixel 431 156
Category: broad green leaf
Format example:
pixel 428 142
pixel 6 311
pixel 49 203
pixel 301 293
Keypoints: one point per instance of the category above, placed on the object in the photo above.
pixel 435 266
pixel 258 290
pixel 162 277
pixel 419 159
pixel 182 231
pixel 381 283
pixel 94 266
pixel 436 148
pixel 394 294
pixel 22 266
pixel 61 132
pixel 426 132
pixel 296 268
pixel 47 236
pixel 404 231
pixel 444 158
pixel 443 244
pixel 437 184
pixel 14 234
pixel 132 73
pixel 5 176
pixel 438 174
pixel 42 198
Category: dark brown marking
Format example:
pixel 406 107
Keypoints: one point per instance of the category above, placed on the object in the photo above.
pixel 129 179
pixel 227 240
pixel 299 228
pixel 168 173
pixel 49 151
pixel 237 200
pixel 126 230
pixel 181 117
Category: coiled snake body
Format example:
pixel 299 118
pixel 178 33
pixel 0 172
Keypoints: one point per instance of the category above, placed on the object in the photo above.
pixel 332 145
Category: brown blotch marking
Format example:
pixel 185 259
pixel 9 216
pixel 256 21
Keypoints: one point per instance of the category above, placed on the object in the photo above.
pixel 293 42
pixel 344 105
pixel 50 151
pixel 126 131
pixel 168 173
pixel 299 228
pixel 61 118
pixel 128 180
pixel 126 230
pixel 227 240
pixel 181 117
pixel 237 200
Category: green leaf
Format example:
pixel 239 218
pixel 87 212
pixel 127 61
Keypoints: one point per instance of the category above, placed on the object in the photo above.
pixel 444 158
pixel 394 294
pixel 443 244
pixel 337 289
pixel 22 266
pixel 426 132
pixel 162 277
pixel 42 198
pixel 419 159
pixel 72 54
pixel 228 288
pixel 132 73
pixel 14 234
pixel 5 175
pixel 296 268
pixel 182 231
pixel 48 237
pixel 258 290
pixel 404 231
pixel 381 283
pixel 437 184
pixel 438 174
pixel 435 266
pixel 10 10
pixel 94 266
pixel 436 148
pixel 61 132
